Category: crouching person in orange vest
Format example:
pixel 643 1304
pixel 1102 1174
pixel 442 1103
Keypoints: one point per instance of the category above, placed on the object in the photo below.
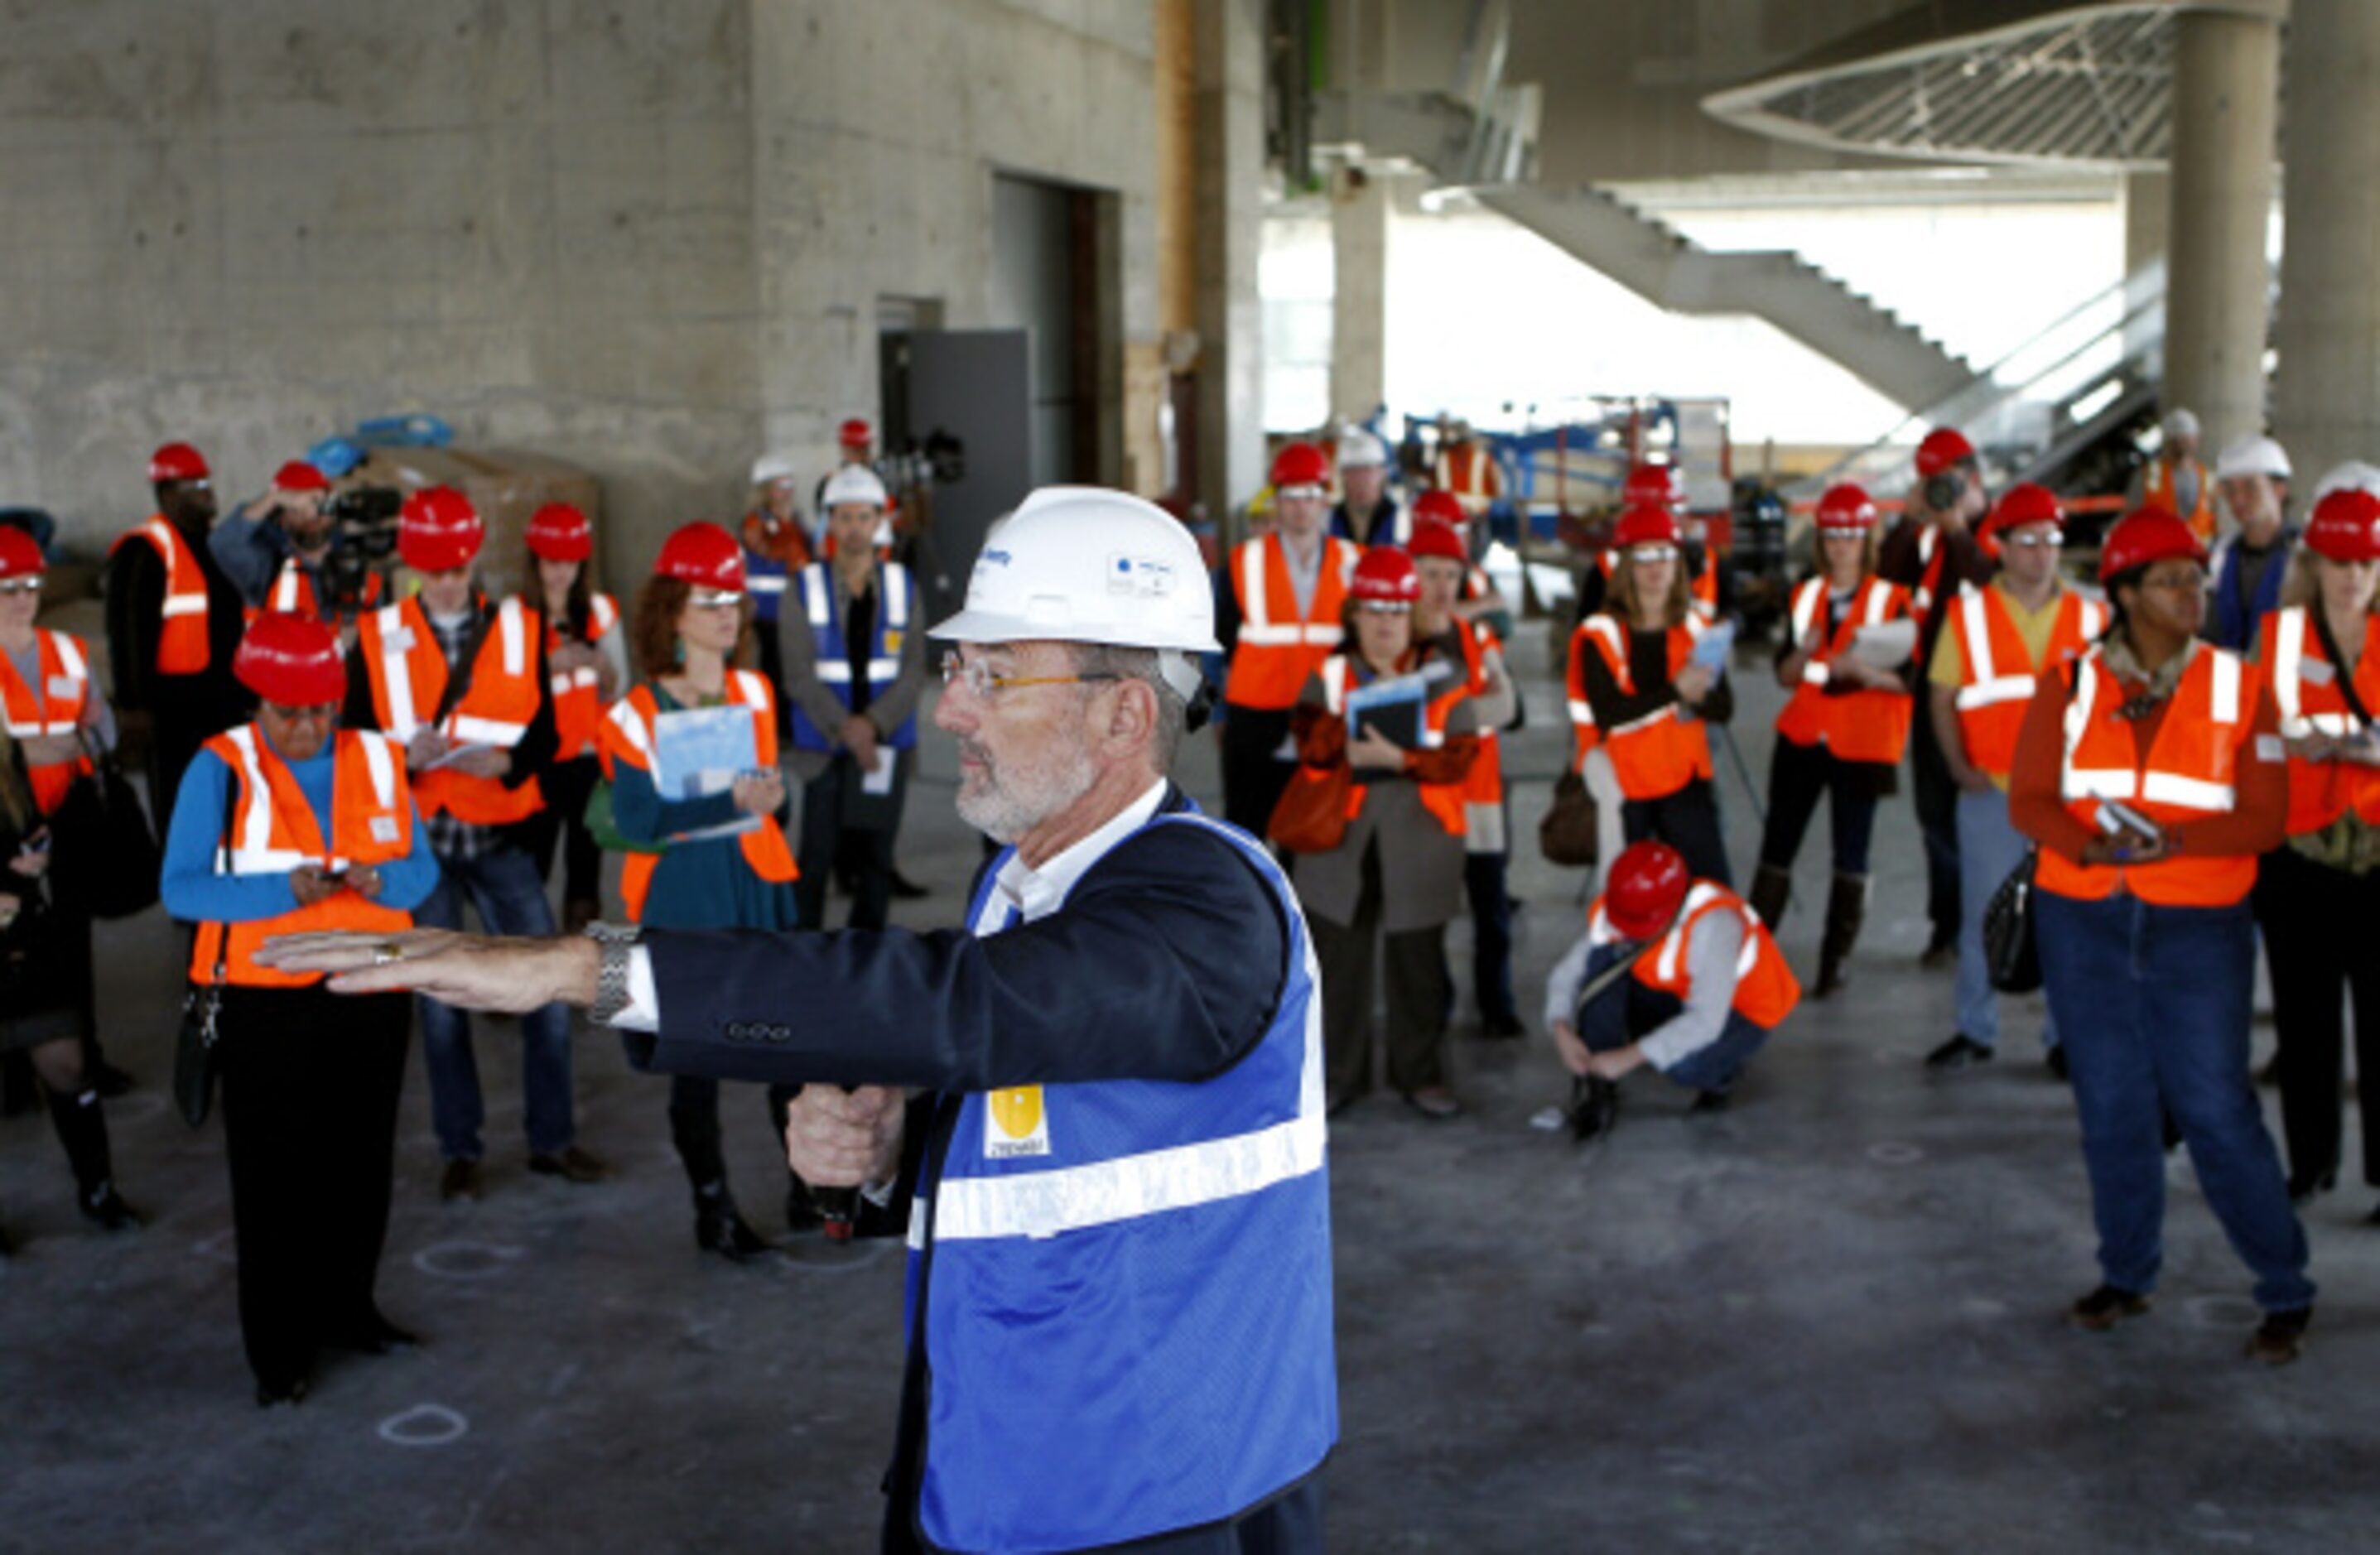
pixel 463 683
pixel 286 824
pixel 1673 972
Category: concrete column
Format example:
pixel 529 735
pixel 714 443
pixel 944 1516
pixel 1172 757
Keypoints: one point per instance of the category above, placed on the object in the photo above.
pixel 2148 217
pixel 2225 105
pixel 1359 297
pixel 1230 200
pixel 2326 395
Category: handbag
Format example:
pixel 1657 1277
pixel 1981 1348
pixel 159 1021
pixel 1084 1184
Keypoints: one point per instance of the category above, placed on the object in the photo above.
pixel 194 1046
pixel 105 857
pixel 2011 950
pixel 1568 834
pixel 1312 814
pixel 604 826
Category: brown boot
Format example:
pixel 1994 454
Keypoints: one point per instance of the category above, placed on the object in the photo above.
pixel 1846 910
pixel 1772 889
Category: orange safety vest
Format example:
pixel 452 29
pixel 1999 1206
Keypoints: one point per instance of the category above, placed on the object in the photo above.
pixel 1666 749
pixel 56 707
pixel 275 832
pixel 1468 472
pixel 578 702
pixel 1766 989
pixel 293 590
pixel 1483 786
pixel 182 642
pixel 1278 648
pixel 1863 725
pixel 628 735
pixel 2000 676
pixel 1584 735
pixel 2191 772
pixel 2157 491
pixel 407 673
pixel 1444 800
pixel 2306 691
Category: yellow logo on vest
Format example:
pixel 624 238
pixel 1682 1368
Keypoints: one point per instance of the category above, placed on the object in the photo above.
pixel 1015 1123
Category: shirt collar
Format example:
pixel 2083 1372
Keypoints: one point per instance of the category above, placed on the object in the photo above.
pixel 1035 894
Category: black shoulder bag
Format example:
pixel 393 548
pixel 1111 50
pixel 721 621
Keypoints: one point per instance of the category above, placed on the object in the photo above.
pixel 105 860
pixel 2012 949
pixel 194 1048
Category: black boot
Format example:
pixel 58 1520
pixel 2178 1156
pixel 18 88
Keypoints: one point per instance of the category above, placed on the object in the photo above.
pixel 1594 1106
pixel 717 1226
pixel 82 1129
pixel 17 1093
pixel 1846 910
pixel 1772 889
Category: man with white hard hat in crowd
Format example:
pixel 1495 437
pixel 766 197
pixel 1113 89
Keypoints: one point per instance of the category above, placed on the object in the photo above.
pixel 1366 513
pixel 776 548
pixel 1120 1279
pixel 2244 580
pixel 2175 480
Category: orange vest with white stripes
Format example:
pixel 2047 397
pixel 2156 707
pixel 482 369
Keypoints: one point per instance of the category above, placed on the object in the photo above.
pixel 1444 800
pixel 294 591
pixel 577 697
pixel 2191 772
pixel 182 641
pixel 1483 788
pixel 1665 749
pixel 51 708
pixel 1766 989
pixel 628 736
pixel 407 673
pixel 2306 692
pixel 273 831
pixel 1998 674
pixel 1278 647
pixel 2157 491
pixel 1863 725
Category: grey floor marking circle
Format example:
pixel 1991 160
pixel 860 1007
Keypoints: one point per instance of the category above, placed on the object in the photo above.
pixel 464 1260
pixel 1895 1154
pixel 425 1425
pixel 2222 1311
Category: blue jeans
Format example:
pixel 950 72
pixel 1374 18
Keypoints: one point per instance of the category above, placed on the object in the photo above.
pixel 2154 1003
pixel 504 888
pixel 1989 850
pixel 1716 1066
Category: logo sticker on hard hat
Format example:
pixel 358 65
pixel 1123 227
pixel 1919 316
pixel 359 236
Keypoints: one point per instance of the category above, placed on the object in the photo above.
pixel 1146 576
pixel 1015 1123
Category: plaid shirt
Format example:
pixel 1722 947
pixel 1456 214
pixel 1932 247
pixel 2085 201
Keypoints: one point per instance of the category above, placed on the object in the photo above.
pixel 453 841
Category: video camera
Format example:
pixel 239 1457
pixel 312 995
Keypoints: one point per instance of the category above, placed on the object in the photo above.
pixel 363 542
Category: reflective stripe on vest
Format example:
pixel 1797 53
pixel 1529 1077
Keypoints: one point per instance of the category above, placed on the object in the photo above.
pixel 408 675
pixel 628 735
pixel 1766 988
pixel 1278 647
pixel 830 657
pixel 182 647
pixel 51 708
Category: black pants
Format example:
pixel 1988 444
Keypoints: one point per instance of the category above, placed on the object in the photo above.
pixel 1936 799
pixel 825 841
pixel 175 737
pixel 1687 820
pixel 1798 774
pixel 1417 990
pixel 1252 781
pixel 566 785
pixel 1484 876
pixel 694 1125
pixel 2317 924
pixel 310 1081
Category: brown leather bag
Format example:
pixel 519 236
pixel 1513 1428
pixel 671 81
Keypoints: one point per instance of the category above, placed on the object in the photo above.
pixel 1568 834
pixel 1312 815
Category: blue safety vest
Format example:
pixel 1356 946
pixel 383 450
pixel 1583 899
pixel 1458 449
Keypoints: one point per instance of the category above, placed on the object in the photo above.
pixel 824 608
pixel 1127 1323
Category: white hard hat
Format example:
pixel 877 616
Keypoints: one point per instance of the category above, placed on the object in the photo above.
pixel 2179 422
pixel 769 468
pixel 1081 563
pixel 2352 475
pixel 852 483
pixel 1360 450
pixel 2253 456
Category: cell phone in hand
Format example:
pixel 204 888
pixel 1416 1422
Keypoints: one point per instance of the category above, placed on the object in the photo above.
pixel 2116 818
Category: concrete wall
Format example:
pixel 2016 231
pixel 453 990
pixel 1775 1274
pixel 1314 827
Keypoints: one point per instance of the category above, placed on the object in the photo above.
pixel 647 238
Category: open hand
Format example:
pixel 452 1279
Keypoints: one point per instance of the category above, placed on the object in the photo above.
pixel 506 974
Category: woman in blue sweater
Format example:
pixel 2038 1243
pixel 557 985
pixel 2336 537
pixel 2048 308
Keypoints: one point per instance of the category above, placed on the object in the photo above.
pixel 697 786
pixel 282 825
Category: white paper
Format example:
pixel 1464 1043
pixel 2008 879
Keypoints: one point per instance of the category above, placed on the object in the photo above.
pixel 455 753
pixel 1886 646
pixel 878 778
pixel 1713 647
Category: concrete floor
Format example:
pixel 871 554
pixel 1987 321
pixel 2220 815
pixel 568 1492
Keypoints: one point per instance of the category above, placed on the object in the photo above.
pixel 1825 1321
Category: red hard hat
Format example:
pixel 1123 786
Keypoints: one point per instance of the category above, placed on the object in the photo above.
pixel 1444 506
pixel 1386 574
pixel 1650 525
pixel 2144 537
pixel 2345 526
pixel 291 661
pixel 1436 536
pixel 2024 504
pixel 176 461
pixel 1942 448
pixel 702 555
pixel 20 555
pixel 855 433
pixel 1300 463
pixel 1846 509
pixel 438 530
pixel 1653 486
pixel 1647 885
pixel 559 532
pixel 299 475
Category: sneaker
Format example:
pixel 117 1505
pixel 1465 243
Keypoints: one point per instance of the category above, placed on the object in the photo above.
pixel 1709 1101
pixel 2104 1308
pixel 571 1164
pixel 1435 1102
pixel 460 1180
pixel 1961 1052
pixel 1595 1107
pixel 2280 1338
pixel 105 1208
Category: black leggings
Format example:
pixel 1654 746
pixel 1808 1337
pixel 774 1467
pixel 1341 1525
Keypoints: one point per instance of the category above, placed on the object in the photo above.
pixel 566 785
pixel 2317 924
pixel 1687 820
pixel 1797 775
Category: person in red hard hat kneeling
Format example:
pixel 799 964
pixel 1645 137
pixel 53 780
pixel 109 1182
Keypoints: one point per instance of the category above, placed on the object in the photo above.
pixel 1673 973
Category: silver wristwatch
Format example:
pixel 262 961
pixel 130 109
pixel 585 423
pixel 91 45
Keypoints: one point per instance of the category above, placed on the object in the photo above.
pixel 612 979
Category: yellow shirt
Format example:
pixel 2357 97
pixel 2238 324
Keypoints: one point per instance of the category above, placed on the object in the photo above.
pixel 2033 628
